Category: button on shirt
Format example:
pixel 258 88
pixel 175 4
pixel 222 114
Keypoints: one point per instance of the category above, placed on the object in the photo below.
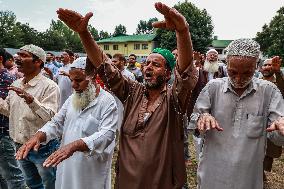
pixel 234 157
pixel 25 119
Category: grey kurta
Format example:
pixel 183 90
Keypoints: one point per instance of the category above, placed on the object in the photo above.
pixel 96 126
pixel 233 158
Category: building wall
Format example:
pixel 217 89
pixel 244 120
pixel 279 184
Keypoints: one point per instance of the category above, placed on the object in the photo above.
pixel 128 48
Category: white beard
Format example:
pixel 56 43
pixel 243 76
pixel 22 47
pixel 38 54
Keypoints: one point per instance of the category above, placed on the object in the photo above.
pixel 81 100
pixel 211 67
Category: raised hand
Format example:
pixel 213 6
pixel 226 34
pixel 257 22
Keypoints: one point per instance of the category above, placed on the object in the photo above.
pixel 276 64
pixel 207 122
pixel 23 94
pixel 74 20
pixel 173 19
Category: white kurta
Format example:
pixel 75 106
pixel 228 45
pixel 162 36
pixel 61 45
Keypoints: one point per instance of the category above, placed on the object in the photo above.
pixel 64 84
pixel 96 126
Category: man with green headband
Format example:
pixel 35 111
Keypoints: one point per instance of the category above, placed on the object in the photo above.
pixel 151 138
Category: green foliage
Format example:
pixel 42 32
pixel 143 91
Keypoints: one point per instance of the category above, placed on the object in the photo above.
pixel 104 34
pixel 271 38
pixel 200 25
pixel 119 30
pixel 145 27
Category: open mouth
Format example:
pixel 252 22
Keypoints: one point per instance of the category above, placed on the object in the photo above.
pixel 148 75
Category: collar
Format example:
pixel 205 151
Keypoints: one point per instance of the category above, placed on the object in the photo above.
pixel 227 86
pixel 273 80
pixel 33 82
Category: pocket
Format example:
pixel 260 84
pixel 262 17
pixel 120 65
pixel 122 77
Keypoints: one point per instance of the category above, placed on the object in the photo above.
pixel 255 126
pixel 91 125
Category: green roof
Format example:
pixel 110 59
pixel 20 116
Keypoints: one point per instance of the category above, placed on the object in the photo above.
pixel 128 38
pixel 221 43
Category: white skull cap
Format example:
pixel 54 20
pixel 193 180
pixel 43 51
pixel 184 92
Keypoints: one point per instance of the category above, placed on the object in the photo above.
pixel 211 51
pixel 79 63
pixel 35 50
pixel 243 47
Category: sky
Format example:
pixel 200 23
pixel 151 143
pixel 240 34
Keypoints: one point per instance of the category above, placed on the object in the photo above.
pixel 232 19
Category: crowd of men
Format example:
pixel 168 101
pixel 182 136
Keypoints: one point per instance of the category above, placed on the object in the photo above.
pixel 61 119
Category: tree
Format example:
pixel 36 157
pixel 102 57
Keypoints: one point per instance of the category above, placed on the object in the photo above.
pixel 271 38
pixel 145 27
pixel 200 24
pixel 104 34
pixel 9 32
pixel 120 29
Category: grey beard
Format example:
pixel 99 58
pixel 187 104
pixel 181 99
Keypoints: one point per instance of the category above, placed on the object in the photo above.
pixel 81 100
pixel 243 85
pixel 211 67
pixel 159 83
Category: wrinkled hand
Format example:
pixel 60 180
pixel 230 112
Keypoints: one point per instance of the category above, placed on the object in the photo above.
pixel 23 94
pixel 74 20
pixel 207 122
pixel 65 152
pixel 32 143
pixel 173 19
pixel 276 64
pixel 277 125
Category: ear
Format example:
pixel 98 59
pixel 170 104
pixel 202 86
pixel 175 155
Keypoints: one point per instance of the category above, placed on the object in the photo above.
pixel 1 59
pixel 168 75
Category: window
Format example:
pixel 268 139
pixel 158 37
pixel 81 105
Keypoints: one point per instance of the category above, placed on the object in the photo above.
pixel 106 47
pixel 125 45
pixel 144 46
pixel 115 47
pixel 136 46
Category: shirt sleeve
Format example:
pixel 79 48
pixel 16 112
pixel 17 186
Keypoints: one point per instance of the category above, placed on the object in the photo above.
pixel 183 85
pixel 101 140
pixel 114 81
pixel 48 105
pixel 276 110
pixel 54 128
pixel 202 105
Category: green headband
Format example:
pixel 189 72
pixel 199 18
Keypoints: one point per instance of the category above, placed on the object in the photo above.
pixel 170 59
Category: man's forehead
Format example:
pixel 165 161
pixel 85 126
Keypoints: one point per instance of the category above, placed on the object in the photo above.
pixel 155 56
pixel 23 52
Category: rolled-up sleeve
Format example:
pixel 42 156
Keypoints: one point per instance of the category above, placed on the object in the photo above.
pixel 48 105
pixel 183 85
pixel 276 110
pixel 101 140
pixel 202 105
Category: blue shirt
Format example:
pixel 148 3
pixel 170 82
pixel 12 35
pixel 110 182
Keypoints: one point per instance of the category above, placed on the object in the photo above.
pixel 52 67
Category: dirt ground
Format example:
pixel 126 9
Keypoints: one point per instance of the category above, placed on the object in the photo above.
pixel 275 177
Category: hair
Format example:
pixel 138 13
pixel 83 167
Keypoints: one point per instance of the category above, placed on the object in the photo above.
pixel 69 52
pixel 51 53
pixel 120 57
pixel 133 55
pixel 3 53
pixel 109 55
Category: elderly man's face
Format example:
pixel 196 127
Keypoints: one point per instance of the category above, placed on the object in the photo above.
pixel 175 53
pixel 241 70
pixel 26 64
pixel 266 69
pixel 212 57
pixel 155 71
pixel 79 80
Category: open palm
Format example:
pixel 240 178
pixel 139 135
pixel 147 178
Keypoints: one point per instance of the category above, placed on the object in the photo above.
pixel 74 20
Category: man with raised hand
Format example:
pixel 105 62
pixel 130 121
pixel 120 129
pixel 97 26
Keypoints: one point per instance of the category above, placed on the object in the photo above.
pixel 151 139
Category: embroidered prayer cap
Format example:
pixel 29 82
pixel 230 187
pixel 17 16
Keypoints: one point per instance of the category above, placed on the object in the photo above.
pixel 211 51
pixel 35 50
pixel 168 55
pixel 79 63
pixel 243 47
